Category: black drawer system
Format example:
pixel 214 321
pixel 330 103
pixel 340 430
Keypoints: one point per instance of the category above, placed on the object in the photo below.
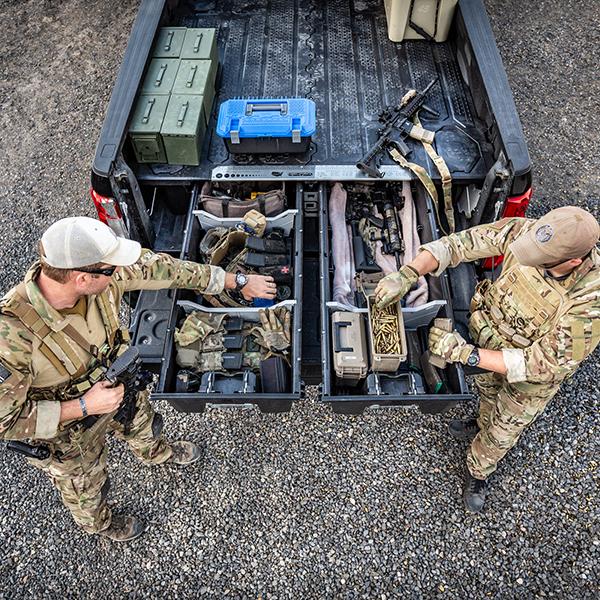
pixel 158 314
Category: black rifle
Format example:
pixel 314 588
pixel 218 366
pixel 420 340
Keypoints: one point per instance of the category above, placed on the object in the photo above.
pixel 396 127
pixel 393 242
pixel 126 369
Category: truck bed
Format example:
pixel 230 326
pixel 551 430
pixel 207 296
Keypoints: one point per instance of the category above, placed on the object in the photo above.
pixel 337 54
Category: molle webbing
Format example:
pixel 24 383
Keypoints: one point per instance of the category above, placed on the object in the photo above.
pixel 52 343
pixel 109 317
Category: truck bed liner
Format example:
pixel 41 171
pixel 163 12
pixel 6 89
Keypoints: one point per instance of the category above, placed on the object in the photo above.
pixel 338 54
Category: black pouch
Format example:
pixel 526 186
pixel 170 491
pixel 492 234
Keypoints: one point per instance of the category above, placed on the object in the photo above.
pixel 274 375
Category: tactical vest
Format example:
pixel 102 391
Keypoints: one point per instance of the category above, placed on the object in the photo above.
pixel 222 241
pixel 57 346
pixel 517 309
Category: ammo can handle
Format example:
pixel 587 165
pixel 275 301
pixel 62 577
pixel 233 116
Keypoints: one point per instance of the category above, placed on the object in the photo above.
pixel 169 41
pixel 149 107
pixel 191 75
pixel 266 107
pixel 182 113
pixel 198 42
pixel 337 336
pixel 161 74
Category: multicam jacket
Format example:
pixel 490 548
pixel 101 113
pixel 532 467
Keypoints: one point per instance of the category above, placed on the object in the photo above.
pixel 29 370
pixel 544 327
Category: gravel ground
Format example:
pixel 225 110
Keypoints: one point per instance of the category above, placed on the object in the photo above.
pixel 307 504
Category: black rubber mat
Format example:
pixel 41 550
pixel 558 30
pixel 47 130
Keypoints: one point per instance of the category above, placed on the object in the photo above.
pixel 338 54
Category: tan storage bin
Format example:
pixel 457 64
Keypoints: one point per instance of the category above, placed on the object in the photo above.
pixel 432 16
pixel 386 362
pixel 350 357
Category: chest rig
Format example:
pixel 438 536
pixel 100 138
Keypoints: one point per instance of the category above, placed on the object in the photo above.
pixel 517 309
pixel 57 346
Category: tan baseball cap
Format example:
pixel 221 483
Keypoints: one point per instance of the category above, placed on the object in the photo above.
pixel 562 234
pixel 80 241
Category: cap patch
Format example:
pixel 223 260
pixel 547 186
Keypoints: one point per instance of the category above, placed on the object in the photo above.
pixel 544 234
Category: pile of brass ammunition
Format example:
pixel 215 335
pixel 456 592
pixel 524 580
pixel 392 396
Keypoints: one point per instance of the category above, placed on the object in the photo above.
pixel 384 325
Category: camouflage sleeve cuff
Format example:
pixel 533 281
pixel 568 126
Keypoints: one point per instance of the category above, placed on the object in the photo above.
pixel 514 359
pixel 441 253
pixel 216 284
pixel 48 418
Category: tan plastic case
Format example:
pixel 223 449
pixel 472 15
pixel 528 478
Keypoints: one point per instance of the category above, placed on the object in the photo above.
pixel 387 363
pixel 350 355
pixel 424 14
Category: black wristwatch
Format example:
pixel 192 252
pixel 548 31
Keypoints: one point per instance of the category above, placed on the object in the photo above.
pixel 474 358
pixel 240 281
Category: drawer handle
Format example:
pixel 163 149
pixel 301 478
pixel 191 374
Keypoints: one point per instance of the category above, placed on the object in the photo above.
pixel 197 42
pixel 192 74
pixel 169 41
pixel 182 113
pixel 149 107
pixel 161 74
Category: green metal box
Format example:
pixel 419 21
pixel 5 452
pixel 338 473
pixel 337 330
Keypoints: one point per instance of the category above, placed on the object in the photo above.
pixel 197 77
pixel 200 43
pixel 144 130
pixel 183 129
pixel 160 76
pixel 169 42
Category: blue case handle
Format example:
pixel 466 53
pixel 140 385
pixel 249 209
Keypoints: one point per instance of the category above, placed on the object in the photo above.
pixel 282 107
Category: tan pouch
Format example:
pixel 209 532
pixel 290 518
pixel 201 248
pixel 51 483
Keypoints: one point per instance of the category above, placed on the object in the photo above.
pixel 270 202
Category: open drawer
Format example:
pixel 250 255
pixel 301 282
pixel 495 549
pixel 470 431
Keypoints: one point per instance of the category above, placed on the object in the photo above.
pixel 411 383
pixel 240 387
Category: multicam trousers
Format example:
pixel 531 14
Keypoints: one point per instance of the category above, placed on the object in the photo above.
pixel 78 467
pixel 505 411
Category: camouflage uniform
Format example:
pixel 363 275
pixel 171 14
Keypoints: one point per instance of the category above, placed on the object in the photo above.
pixel 47 357
pixel 544 327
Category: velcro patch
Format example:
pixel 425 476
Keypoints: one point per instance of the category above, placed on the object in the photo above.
pixel 4 373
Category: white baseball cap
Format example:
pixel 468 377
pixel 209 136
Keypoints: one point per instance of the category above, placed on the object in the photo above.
pixel 80 242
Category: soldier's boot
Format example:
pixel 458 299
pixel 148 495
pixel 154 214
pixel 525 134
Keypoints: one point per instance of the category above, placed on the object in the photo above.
pixel 463 429
pixel 185 453
pixel 124 528
pixel 474 493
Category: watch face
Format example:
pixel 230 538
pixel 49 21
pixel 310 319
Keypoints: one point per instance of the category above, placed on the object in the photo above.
pixel 473 359
pixel 240 280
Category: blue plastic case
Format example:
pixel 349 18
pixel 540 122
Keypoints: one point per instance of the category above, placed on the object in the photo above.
pixel 267 125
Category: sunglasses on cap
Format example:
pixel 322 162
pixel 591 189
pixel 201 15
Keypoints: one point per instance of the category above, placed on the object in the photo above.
pixel 108 272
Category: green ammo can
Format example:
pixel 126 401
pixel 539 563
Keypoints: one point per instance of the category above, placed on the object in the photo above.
pixel 197 77
pixel 183 129
pixel 200 43
pixel 160 76
pixel 144 130
pixel 169 42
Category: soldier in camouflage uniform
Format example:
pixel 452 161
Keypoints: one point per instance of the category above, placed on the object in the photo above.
pixel 530 328
pixel 58 329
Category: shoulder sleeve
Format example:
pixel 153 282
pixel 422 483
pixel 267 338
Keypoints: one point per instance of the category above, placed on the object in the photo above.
pixel 21 417
pixel 157 271
pixel 491 239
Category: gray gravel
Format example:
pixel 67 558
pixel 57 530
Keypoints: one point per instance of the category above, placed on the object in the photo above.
pixel 307 504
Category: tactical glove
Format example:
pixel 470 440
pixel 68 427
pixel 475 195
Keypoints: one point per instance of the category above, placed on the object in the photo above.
pixel 451 346
pixel 395 286
pixel 275 330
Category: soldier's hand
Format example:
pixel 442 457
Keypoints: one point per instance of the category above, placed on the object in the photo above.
pixel 450 345
pixel 260 286
pixel 395 286
pixel 101 398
